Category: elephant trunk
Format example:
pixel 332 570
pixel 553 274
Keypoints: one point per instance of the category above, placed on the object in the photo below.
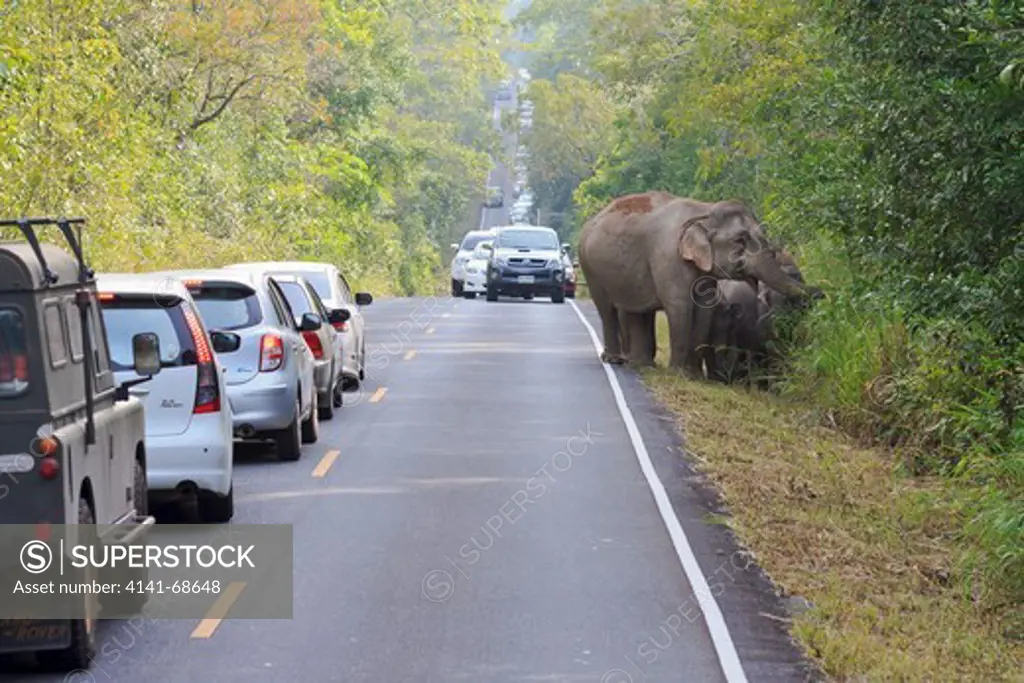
pixel 768 271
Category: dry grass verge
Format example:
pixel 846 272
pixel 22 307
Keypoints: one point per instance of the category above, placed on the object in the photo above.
pixel 830 521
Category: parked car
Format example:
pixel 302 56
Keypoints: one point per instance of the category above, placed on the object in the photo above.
pixel 495 197
pixel 476 271
pixel 189 428
pixel 325 343
pixel 463 253
pixel 526 261
pixel 73 446
pixel 270 383
pixel 337 297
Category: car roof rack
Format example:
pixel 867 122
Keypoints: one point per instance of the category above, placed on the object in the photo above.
pixel 27 227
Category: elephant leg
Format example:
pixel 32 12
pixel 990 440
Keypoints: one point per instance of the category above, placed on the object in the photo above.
pixel 610 328
pixel 624 331
pixel 680 331
pixel 639 330
pixel 650 336
pixel 702 352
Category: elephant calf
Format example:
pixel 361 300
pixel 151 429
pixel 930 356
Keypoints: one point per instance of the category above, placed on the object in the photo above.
pixel 743 324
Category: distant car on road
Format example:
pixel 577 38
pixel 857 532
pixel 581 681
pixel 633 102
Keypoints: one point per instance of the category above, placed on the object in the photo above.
pixel 189 430
pixel 495 197
pixel 329 282
pixel 525 262
pixel 475 281
pixel 270 382
pixel 463 253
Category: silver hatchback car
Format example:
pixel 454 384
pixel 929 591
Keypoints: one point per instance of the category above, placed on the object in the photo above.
pixel 336 295
pixel 270 378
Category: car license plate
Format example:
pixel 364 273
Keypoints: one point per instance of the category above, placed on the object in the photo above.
pixel 526 279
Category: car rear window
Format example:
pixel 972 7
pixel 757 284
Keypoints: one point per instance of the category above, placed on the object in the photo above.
pixel 321 283
pixel 125 318
pixel 14 377
pixel 227 308
pixel 470 241
pixel 298 299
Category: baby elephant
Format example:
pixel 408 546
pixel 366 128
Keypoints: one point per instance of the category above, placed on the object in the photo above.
pixel 743 328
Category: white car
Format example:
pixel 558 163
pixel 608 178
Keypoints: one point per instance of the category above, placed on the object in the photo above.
pixel 463 254
pixel 475 281
pixel 189 425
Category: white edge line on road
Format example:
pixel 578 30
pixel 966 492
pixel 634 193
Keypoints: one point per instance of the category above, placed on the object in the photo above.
pixel 720 637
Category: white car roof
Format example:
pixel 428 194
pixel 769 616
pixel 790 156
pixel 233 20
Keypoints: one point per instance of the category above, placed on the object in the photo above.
pixel 141 283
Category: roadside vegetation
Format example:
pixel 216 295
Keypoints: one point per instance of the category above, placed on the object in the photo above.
pixel 881 143
pixel 200 133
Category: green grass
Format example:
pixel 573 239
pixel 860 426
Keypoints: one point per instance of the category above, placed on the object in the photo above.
pixel 876 551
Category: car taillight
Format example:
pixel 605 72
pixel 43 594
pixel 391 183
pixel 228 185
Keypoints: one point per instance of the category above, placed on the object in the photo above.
pixel 207 386
pixel 313 341
pixel 13 368
pixel 340 327
pixel 48 468
pixel 271 353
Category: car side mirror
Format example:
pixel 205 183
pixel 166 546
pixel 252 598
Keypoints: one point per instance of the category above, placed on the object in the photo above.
pixel 225 342
pixel 363 299
pixel 311 322
pixel 338 316
pixel 146 354
pixel 454 246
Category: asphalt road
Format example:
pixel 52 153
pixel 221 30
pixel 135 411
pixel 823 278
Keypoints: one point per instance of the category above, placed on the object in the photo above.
pixel 494 505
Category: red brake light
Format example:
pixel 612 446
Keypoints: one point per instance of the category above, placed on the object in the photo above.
pixel 207 387
pixel 313 342
pixel 271 353
pixel 13 368
pixel 106 296
pixel 48 468
pixel 340 327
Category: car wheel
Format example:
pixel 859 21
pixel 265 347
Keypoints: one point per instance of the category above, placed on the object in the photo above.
pixel 289 443
pixel 492 293
pixel 469 295
pixel 311 426
pixel 215 508
pixel 327 407
pixel 558 297
pixel 456 288
pixel 362 362
pixel 527 297
pixel 80 653
pixel 338 396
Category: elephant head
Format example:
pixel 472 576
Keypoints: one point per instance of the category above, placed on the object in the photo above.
pixel 728 243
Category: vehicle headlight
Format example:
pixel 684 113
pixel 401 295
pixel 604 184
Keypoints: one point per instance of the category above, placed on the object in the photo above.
pixel 555 264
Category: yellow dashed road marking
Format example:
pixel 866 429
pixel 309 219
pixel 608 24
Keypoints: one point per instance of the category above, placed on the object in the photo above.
pixel 378 395
pixel 208 626
pixel 325 463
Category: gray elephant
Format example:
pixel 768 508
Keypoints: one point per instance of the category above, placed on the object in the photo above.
pixel 743 325
pixel 655 251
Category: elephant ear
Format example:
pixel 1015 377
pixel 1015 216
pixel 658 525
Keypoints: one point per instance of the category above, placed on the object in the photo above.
pixel 695 246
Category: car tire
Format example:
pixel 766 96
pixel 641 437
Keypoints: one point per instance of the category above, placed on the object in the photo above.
pixel 311 425
pixel 80 653
pixel 362 362
pixel 492 293
pixel 558 298
pixel 327 407
pixel 527 297
pixel 469 295
pixel 289 439
pixel 215 508
pixel 338 395
pixel 456 288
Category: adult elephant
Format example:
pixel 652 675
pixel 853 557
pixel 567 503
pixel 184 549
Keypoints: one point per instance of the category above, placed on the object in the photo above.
pixel 654 251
